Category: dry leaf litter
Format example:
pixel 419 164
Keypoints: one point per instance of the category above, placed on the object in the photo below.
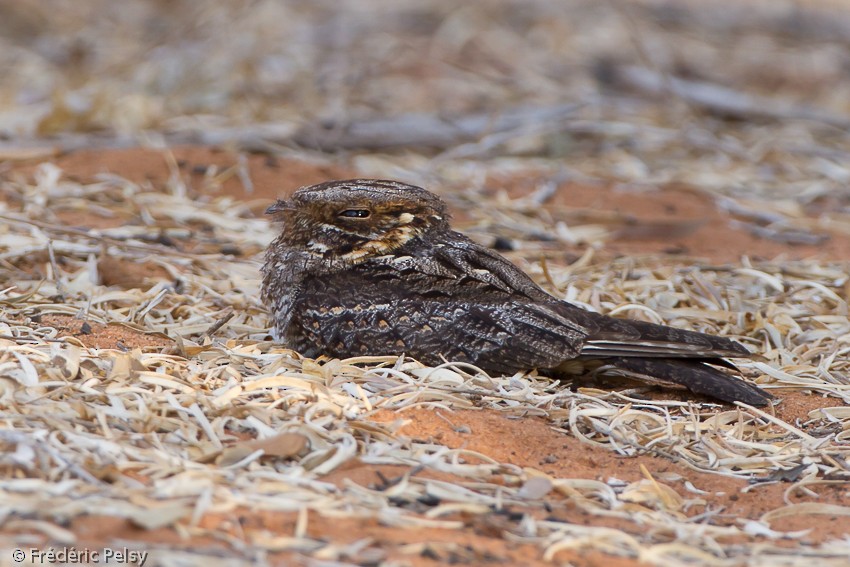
pixel 222 418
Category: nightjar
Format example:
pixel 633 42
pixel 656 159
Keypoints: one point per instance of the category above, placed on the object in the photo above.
pixel 372 267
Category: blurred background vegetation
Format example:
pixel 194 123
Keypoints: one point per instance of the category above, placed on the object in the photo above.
pixel 736 97
pixel 148 64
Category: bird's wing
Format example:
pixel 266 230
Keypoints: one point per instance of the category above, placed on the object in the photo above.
pixel 433 307
pixel 455 257
pixel 495 292
pixel 605 336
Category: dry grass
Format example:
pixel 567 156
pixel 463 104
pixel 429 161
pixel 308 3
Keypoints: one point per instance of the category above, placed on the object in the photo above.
pixel 228 419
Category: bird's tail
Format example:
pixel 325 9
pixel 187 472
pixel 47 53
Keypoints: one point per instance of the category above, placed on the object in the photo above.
pixel 695 375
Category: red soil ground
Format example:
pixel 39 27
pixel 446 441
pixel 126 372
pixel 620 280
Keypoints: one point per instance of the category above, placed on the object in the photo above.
pixel 699 229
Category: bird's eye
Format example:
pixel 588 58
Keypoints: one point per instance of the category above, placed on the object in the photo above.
pixel 355 213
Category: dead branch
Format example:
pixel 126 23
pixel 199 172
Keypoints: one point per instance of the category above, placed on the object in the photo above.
pixel 428 130
pixel 228 314
pixel 414 130
pixel 56 229
pixel 784 235
pixel 715 98
pixel 794 20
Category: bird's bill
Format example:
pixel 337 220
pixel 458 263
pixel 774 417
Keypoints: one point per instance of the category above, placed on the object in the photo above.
pixel 278 206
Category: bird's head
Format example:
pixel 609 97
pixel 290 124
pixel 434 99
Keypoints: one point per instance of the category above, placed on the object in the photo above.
pixel 353 220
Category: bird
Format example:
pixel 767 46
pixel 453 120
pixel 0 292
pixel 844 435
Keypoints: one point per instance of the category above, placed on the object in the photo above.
pixel 367 267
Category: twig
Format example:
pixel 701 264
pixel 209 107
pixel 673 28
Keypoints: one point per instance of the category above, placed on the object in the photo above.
pixel 544 192
pixel 787 236
pixel 150 248
pixel 244 174
pixel 220 322
pixel 261 137
pixel 144 309
pixel 25 340
pixel 402 131
pixel 57 278
pixel 733 207
pixel 716 98
pixel 799 21
pixel 26 438
pixel 429 130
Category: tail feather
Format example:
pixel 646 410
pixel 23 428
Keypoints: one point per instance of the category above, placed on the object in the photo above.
pixel 696 376
pixel 624 337
pixel 647 349
pixel 666 355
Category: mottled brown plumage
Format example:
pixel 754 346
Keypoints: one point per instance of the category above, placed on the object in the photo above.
pixel 369 267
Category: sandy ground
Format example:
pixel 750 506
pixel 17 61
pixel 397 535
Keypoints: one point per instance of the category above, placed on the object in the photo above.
pixel 674 221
